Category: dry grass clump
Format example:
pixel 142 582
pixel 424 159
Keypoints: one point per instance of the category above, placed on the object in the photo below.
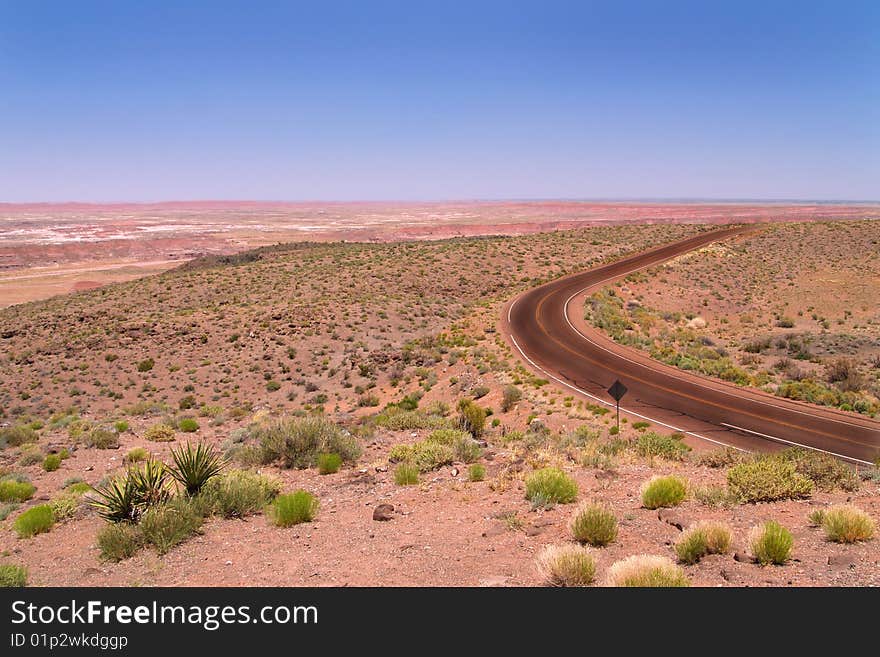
pixel 701 539
pixel 642 570
pixel 770 543
pixel 566 565
pixel 847 524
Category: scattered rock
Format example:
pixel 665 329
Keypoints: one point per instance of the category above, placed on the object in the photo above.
pixel 742 557
pixel 383 512
pixel 841 561
pixel 494 580
pixel 454 472
pixel 672 517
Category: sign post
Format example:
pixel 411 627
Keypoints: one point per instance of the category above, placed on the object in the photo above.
pixel 617 391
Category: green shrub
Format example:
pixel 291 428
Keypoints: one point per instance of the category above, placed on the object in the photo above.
pixel 406 474
pixel 464 447
pixel 13 576
pixel 663 492
pixel 701 539
pixel 297 442
pixel 160 433
pixel 136 455
pixel 78 487
pixel 593 523
pixel 767 479
pixel 102 438
pixel 52 462
pixel 238 493
pixel 471 417
pixel 771 543
pixel 194 466
pixel 170 524
pixel 550 486
pixel 476 472
pixel 397 419
pixel 65 505
pixel 816 517
pixel 17 435
pixel 652 444
pixel 566 565
pixel 825 471
pixel 509 397
pixel 329 463
pixel 6 508
pixel 426 455
pixel 646 570
pixel 847 524
pixel 294 508
pixel 30 454
pixel 188 425
pixel 145 365
pixel 714 496
pixel 36 520
pixel 721 458
pixel 121 426
pixel 120 540
pixel 16 491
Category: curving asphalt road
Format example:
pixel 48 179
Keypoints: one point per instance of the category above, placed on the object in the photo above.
pixel 547 328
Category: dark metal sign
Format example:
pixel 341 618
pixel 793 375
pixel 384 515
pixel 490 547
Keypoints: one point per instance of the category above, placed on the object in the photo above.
pixel 617 390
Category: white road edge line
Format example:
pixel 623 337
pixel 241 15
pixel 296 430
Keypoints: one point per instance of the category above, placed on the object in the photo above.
pixel 790 442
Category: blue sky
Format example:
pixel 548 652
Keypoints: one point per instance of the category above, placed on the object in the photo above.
pixel 109 101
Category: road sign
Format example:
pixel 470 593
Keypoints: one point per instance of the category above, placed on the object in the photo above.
pixel 617 390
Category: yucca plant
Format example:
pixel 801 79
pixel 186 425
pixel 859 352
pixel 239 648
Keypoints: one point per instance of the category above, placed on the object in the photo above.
pixel 125 498
pixel 195 466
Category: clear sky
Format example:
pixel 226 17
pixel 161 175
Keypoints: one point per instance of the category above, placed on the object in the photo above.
pixel 118 100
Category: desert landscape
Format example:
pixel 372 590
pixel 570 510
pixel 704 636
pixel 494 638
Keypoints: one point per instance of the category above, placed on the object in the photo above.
pixel 363 419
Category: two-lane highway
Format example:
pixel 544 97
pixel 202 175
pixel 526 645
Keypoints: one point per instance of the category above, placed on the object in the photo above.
pixel 546 327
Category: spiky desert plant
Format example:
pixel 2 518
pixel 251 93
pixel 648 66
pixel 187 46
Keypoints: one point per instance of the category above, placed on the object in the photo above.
pixel 195 466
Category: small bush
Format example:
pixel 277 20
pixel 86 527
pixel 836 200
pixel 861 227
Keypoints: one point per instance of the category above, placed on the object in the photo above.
pixel 136 455
pixel 121 426
pixel 145 365
pixel 30 454
pixel 16 491
pixel 671 447
pixel 6 508
pixel 767 479
pixel 715 496
pixel 170 524
pixel 721 458
pixel 188 425
pixel 238 493
pixel 701 539
pixel 329 463
pixel 770 543
pixel 297 442
pixel 471 417
pixel 294 508
pixel 13 576
pixel 593 523
pixel 826 472
pixel 102 438
pixel 118 541
pixel 160 433
pixel 847 524
pixel 406 474
pixel 426 455
pixel 65 505
pixel 52 462
pixel 36 520
pixel 476 472
pixel 510 397
pixel 646 570
pixel 816 517
pixel 17 435
pixel 550 486
pixel 566 565
pixel 663 492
